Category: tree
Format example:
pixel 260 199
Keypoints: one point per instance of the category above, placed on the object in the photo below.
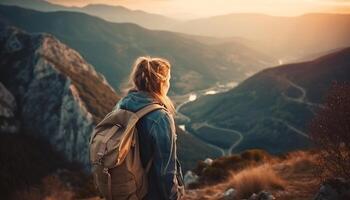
pixel 330 132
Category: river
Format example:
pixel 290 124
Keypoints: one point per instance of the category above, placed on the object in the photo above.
pixel 193 96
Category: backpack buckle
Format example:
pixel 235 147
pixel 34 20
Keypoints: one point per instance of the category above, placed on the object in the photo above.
pixel 100 158
pixel 99 161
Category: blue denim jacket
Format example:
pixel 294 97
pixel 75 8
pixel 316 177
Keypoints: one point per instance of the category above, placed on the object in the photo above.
pixel 157 137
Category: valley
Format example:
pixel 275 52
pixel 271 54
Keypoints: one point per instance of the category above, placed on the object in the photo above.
pixel 112 47
pixel 272 109
pixel 247 88
pixel 224 139
pixel 205 131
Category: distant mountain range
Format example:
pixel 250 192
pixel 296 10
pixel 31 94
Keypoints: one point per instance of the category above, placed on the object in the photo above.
pixel 272 108
pixel 285 38
pixel 107 12
pixel 112 48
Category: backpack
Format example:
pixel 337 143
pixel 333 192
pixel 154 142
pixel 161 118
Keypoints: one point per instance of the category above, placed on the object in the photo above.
pixel 115 157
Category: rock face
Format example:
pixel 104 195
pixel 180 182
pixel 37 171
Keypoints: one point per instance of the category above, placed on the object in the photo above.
pixel 59 96
pixel 8 122
pixel 208 161
pixel 229 194
pixel 263 195
pixel 334 189
pixel 190 177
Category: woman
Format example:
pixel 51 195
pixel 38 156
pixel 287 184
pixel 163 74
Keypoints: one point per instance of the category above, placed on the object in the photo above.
pixel 149 83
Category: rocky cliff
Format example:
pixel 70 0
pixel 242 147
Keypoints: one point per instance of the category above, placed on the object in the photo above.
pixel 48 90
pixel 8 122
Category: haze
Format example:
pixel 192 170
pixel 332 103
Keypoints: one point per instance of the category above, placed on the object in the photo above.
pixel 204 8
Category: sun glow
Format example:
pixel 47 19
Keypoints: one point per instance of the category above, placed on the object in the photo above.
pixel 205 8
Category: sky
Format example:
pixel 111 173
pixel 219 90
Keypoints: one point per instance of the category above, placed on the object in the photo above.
pixel 186 9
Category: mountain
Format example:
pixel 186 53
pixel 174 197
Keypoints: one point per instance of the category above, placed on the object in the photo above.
pixel 40 5
pixel 122 14
pixel 112 48
pixel 285 37
pixel 57 95
pixel 107 12
pixel 48 91
pixel 272 109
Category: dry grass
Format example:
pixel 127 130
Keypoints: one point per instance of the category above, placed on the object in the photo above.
pixel 255 179
pixel 61 185
pixel 222 167
pixel 34 170
pixel 289 177
pixel 52 188
pixel 299 170
pixel 295 164
pixel 246 182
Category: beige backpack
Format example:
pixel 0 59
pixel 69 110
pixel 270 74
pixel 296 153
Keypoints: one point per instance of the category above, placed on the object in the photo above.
pixel 115 157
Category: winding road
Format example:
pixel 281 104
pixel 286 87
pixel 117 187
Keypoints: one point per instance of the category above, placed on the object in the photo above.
pixel 226 152
pixel 180 114
pixel 290 127
pixel 223 151
pixel 302 98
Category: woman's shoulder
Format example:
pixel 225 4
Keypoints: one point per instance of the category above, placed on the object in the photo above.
pixel 163 125
pixel 159 115
pixel 158 122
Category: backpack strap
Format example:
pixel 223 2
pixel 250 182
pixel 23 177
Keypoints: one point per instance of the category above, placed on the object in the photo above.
pixel 140 114
pixel 143 111
pixel 124 144
pixel 149 164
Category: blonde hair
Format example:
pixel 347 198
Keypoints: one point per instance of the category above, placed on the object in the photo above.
pixel 149 75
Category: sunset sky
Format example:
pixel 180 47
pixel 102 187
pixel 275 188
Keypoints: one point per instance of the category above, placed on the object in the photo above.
pixel 205 8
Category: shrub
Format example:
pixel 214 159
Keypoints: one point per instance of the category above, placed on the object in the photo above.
pixel 255 179
pixel 301 161
pixel 201 165
pixel 256 155
pixel 233 162
pixel 221 167
pixel 214 174
pixel 31 169
pixel 52 188
pixel 330 132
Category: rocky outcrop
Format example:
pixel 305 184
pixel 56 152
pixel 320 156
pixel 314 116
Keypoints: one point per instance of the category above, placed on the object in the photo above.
pixel 59 95
pixel 229 194
pixel 263 195
pixel 334 189
pixel 8 122
pixel 190 178
pixel 208 161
